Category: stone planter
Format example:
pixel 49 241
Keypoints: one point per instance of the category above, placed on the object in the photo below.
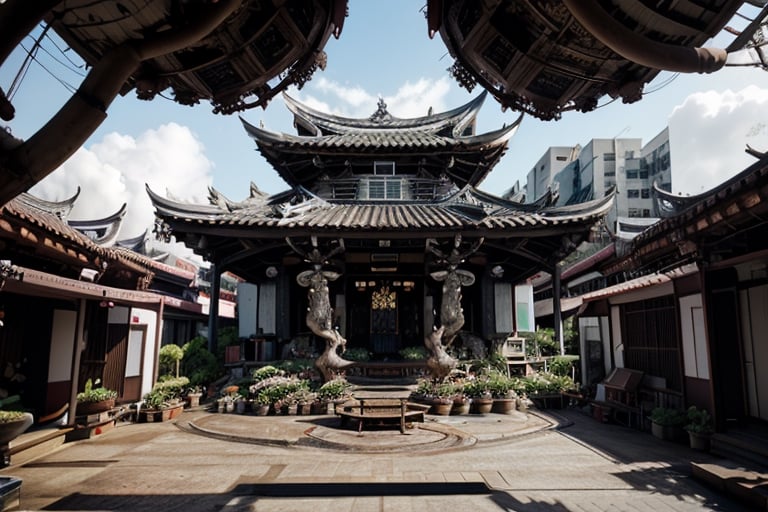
pixel 9 431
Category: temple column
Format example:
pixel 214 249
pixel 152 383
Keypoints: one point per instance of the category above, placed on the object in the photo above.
pixel 213 310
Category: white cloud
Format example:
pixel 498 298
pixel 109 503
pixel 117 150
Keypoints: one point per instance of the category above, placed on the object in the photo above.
pixel 410 100
pixel 114 171
pixel 709 132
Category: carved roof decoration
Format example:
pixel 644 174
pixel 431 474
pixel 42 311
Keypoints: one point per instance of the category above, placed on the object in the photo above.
pixel 545 58
pixel 260 48
pixel 328 145
pixel 102 231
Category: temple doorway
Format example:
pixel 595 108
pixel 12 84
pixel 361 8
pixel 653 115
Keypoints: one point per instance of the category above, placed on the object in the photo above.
pixel 384 315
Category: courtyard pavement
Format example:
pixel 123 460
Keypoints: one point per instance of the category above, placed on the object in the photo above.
pixel 549 461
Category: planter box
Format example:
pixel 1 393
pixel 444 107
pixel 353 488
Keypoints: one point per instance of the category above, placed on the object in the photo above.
pixel 159 415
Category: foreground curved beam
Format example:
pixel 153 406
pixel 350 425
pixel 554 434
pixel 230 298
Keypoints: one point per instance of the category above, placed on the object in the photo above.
pixel 25 165
pixel 642 50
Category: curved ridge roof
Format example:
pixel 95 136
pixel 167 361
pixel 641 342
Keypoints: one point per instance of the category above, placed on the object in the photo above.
pixel 327 124
pixel 467 208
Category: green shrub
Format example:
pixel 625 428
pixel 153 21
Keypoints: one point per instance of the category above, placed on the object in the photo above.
pixel 668 417
pixel 199 364
pixel 170 356
pixel 265 372
pixel 699 421
pixel 357 354
pixel 9 416
pixel 334 390
pixel 413 353
pixel 92 394
pixel 563 365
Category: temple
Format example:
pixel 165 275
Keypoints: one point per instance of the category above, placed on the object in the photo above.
pixel 383 237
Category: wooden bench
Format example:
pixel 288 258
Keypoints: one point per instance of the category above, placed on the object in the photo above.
pixel 381 411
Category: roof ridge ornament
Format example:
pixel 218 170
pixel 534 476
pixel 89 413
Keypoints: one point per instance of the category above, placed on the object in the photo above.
pixel 381 115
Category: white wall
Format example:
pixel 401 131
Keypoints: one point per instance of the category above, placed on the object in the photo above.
pixel 62 345
pixel 150 319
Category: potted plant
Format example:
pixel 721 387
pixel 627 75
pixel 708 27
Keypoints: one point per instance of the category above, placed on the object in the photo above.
pixel 502 390
pixel 164 401
pixel 335 391
pixel 699 428
pixel 667 423
pixel 12 425
pixel 482 399
pixel 94 400
pixel 193 396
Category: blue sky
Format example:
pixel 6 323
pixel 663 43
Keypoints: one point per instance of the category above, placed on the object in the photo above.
pixel 383 51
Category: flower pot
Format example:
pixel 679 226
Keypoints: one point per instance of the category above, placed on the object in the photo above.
pixel 305 409
pixel 441 407
pixel 667 432
pixel 699 441
pixel 481 405
pixel 240 406
pixel 460 406
pixel 320 407
pixel 229 406
pixel 10 430
pixel 193 399
pixel 88 408
pixel 503 405
pixel 292 410
pixel 262 410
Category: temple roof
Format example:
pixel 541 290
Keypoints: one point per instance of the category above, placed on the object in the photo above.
pixel 723 222
pixel 445 143
pixel 531 235
pixel 49 236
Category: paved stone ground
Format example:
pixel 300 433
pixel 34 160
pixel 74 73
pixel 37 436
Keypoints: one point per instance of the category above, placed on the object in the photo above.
pixel 246 463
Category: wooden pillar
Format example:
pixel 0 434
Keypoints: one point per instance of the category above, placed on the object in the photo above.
pixel 213 309
pixel 75 371
pixel 558 315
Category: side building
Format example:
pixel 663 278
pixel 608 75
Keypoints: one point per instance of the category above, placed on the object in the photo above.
pixel 579 174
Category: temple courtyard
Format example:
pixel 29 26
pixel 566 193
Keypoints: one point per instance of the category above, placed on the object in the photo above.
pixel 542 460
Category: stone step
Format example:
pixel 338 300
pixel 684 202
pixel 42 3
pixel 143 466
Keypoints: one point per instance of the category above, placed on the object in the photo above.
pixel 748 486
pixel 741 446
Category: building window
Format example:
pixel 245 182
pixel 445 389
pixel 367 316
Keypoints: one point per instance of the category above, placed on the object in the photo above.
pixel 634 212
pixel 631 174
pixel 609 157
pixel 645 193
pixel 384 188
pixel 560 158
pixel 646 212
pixel 384 168
pixel 644 174
pixel 633 193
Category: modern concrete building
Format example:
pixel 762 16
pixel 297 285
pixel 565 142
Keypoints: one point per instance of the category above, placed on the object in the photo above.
pixel 579 174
